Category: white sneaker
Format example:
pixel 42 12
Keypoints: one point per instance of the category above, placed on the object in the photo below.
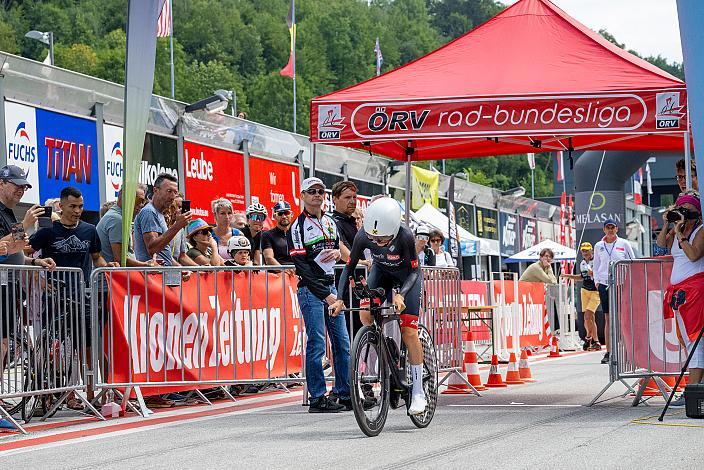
pixel 418 404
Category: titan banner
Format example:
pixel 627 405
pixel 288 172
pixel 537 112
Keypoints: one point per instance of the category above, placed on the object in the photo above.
pixel 224 327
pixel 425 187
pixel 645 111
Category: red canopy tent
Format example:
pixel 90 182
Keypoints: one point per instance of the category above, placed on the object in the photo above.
pixel 530 79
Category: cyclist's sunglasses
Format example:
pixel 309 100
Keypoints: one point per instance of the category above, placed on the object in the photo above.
pixel 380 240
pixel 314 191
pixel 281 213
pixel 257 217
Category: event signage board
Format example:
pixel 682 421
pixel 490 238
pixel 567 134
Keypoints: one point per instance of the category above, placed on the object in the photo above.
pixel 67 151
pixel 22 149
pixel 487 223
pixel 510 234
pixel 465 217
pixel 644 111
pixel 591 210
pixel 529 324
pixel 272 182
pixel 218 326
pixel 529 233
pixel 546 231
pixel 160 156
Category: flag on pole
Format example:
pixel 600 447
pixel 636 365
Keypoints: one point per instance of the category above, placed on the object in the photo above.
pixel 379 57
pixel 647 176
pixel 637 187
pixel 163 25
pixel 560 167
pixel 290 70
pixel 531 161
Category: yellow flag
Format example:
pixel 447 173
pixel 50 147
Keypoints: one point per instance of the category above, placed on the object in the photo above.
pixel 425 187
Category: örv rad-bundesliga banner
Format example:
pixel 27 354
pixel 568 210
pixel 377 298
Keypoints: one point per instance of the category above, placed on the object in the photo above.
pixel 245 326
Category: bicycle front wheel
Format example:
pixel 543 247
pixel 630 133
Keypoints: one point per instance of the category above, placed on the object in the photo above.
pixel 369 377
pixel 430 379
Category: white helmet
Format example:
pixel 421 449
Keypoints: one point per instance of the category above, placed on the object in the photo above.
pixel 237 243
pixel 382 218
pixel 256 208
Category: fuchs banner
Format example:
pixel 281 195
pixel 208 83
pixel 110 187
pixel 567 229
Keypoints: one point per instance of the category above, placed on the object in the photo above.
pixel 645 111
pixel 244 326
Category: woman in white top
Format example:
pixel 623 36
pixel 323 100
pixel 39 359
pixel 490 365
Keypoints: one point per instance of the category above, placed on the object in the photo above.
pixel 222 232
pixel 442 257
pixel 687 248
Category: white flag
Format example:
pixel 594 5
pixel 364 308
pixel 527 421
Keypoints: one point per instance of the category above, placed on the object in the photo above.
pixel 531 161
pixel 649 181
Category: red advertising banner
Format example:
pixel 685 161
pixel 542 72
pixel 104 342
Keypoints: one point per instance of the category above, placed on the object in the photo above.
pixel 212 173
pixel 645 111
pixel 650 340
pixel 475 293
pixel 531 307
pixel 220 326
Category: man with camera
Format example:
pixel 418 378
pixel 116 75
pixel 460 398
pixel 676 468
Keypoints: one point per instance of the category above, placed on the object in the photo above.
pixel 687 278
pixel 609 249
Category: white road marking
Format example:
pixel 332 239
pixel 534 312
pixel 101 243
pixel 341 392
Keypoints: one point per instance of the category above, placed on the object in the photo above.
pixel 519 405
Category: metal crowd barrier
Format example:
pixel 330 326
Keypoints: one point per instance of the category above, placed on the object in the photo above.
pixel 562 314
pixel 167 329
pixel 44 338
pixel 644 344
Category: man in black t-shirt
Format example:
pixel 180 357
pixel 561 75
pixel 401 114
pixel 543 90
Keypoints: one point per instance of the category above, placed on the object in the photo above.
pixel 274 245
pixel 70 242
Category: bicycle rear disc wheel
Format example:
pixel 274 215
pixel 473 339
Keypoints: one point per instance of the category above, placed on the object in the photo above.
pixel 430 379
pixel 369 382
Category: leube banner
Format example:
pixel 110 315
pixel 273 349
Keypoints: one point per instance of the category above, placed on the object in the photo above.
pixel 644 111
pixel 217 327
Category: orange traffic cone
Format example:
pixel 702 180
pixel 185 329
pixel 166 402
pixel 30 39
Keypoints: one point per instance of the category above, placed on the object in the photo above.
pixel 651 388
pixel 524 368
pixel 513 376
pixel 494 374
pixel 471 364
pixel 670 381
pixel 457 386
pixel 555 350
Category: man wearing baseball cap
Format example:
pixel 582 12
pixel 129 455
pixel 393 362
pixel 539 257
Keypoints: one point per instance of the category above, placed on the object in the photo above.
pixel 274 244
pixel 589 295
pixel 314 246
pixel 609 249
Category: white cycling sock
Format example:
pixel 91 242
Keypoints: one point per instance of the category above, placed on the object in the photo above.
pixel 417 378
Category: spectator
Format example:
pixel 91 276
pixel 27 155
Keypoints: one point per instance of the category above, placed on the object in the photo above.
pixel 13 185
pixel 104 208
pixel 344 198
pixel 256 215
pixel 274 245
pixel 315 246
pixel 686 278
pixel 205 248
pixel 239 249
pixel 442 257
pixel 153 237
pixel 358 217
pixel 110 232
pixel 179 248
pixel 541 271
pixel 589 295
pixel 222 211
pixel 682 175
pixel 426 256
pixel 239 220
pixel 609 249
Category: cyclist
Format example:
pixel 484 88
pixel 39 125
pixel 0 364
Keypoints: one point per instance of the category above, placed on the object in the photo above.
pixel 394 264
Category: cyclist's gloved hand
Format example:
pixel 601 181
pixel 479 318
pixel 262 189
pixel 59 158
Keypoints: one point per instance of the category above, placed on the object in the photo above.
pixel 335 307
pixel 399 303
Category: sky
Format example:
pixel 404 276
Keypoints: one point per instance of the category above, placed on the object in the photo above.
pixel 647 26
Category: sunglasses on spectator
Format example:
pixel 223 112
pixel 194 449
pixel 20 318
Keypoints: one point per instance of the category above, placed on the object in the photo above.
pixel 422 237
pixel 380 240
pixel 282 213
pixel 205 232
pixel 257 217
pixel 313 191
pixel 435 240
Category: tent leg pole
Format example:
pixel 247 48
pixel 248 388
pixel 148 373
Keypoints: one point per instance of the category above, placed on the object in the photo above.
pixel 313 157
pixel 408 191
pixel 688 161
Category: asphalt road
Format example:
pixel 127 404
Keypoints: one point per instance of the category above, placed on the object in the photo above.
pixel 540 425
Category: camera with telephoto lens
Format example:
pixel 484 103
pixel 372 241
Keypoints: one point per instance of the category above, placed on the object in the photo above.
pixel 679 213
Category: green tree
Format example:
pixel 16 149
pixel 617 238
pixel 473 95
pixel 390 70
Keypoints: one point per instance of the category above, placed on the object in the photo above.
pixel 79 57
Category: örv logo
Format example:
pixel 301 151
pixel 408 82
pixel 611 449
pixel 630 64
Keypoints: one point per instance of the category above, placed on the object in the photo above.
pixel 22 149
pixel 668 111
pixel 330 121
